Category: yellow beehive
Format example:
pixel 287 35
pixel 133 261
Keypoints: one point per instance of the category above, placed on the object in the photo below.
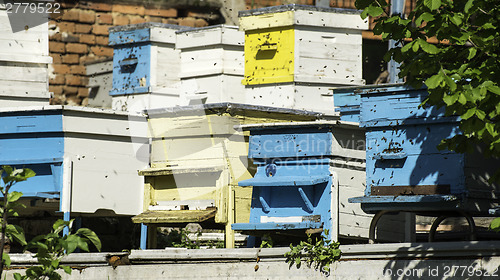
pixel 294 54
pixel 294 43
pixel 197 160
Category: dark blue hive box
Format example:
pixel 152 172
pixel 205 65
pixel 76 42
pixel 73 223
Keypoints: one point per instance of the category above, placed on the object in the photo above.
pixel 404 169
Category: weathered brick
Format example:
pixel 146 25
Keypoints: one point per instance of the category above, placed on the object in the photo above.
pixel 87 39
pixel 88 58
pixel 102 40
pixel 189 21
pixel 161 12
pixel 119 19
pixel 87 16
pixel 73 100
pixel 74 80
pixel 57 80
pixel 136 19
pixel 200 23
pixel 66 27
pixel 99 6
pixel 102 51
pixel 153 19
pixel 68 90
pixel 129 9
pixel 83 28
pixel 57 47
pixel 104 18
pixel 57 90
pixel 101 29
pixel 77 69
pixel 69 38
pixel 83 92
pixel 56 58
pixel 71 58
pixel 61 68
pixel 76 48
pixel 56 37
pixel 70 15
pixel 170 21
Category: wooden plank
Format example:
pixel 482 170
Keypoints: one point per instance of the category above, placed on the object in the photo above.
pixel 174 216
pixel 410 190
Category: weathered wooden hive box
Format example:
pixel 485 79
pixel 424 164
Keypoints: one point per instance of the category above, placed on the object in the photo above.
pixel 406 171
pixel 305 174
pixel 86 159
pixel 212 64
pixel 146 66
pixel 294 54
pixel 100 75
pixel 24 57
pixel 197 160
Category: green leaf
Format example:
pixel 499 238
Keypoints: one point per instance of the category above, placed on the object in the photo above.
pixel 449 81
pixel 472 53
pixel 6 259
pixel 16 233
pixel 480 114
pixel 468 5
pixel 494 89
pixel 14 196
pixel 432 4
pixel 495 224
pixel 450 99
pixel 462 99
pixel 491 129
pixel 66 269
pixel 424 17
pixel 90 235
pixel 428 48
pixel 434 81
pixel 17 276
pixel 468 114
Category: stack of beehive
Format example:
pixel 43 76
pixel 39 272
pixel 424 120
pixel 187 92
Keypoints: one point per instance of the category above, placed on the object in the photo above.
pixel 24 57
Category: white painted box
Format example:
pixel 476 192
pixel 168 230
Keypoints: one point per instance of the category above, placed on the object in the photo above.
pixel 24 57
pixel 212 64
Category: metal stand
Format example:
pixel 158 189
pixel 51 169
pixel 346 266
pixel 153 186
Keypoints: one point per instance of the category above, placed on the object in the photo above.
pixel 373 225
pixel 470 220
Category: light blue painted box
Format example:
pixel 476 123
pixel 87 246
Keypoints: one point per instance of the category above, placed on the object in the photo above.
pixel 144 57
pixel 299 169
pixel 404 169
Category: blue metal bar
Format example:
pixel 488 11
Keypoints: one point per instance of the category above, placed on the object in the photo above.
pixel 397 7
pixel 308 203
pixel 144 237
pixel 67 218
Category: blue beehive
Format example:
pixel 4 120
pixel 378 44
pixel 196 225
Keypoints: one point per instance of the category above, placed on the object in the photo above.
pixel 300 168
pixel 144 57
pixel 404 169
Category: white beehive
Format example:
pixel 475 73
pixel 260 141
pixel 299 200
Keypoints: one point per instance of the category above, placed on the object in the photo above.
pixel 294 54
pixel 212 64
pixel 24 57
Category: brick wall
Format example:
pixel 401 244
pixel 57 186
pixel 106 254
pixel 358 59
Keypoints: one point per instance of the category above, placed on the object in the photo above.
pixel 79 34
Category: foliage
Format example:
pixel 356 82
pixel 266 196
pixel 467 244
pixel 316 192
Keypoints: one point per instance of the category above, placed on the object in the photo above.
pixel 11 176
pixel 461 71
pixel 267 241
pixel 319 253
pixel 52 247
pixel 180 239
